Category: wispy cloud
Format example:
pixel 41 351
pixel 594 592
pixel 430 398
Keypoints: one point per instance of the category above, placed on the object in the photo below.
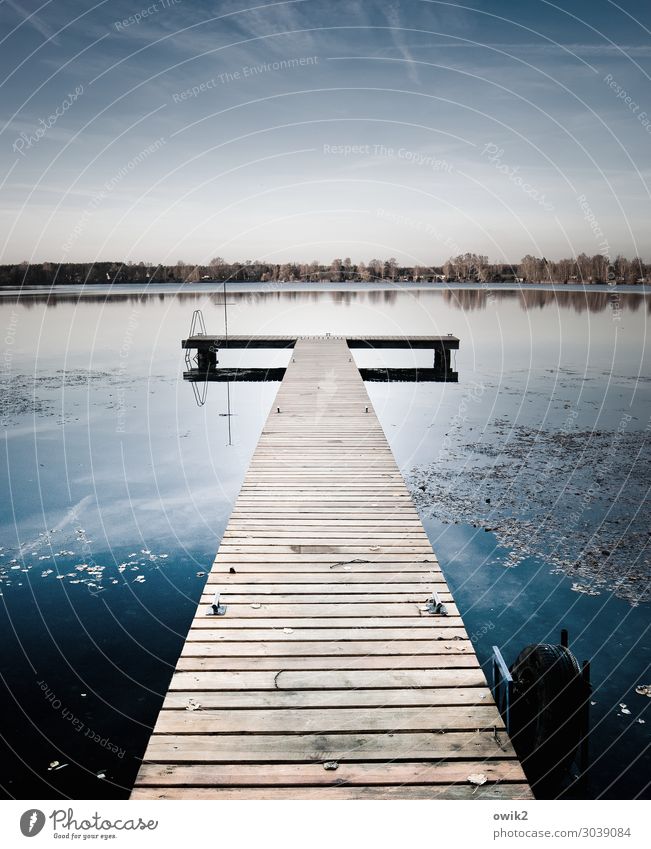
pixel 581 49
pixel 392 12
pixel 33 20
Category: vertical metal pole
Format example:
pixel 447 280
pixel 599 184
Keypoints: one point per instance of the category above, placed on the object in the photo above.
pixel 585 724
pixel 507 700
pixel 228 411
pixel 565 638
pixel 225 316
pixel 228 383
pixel 502 687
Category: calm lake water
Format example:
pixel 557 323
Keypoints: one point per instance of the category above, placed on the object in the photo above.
pixel 531 475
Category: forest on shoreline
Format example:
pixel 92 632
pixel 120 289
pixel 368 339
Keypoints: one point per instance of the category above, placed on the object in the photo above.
pixel 464 268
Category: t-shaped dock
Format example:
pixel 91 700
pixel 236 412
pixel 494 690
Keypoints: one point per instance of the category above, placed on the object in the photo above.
pixel 334 663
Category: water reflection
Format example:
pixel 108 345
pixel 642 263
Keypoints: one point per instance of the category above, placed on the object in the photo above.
pixel 590 300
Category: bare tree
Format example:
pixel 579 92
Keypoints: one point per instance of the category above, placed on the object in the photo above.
pixel 285 272
pixel 375 266
pixel 390 268
pixel 335 269
pixel 583 266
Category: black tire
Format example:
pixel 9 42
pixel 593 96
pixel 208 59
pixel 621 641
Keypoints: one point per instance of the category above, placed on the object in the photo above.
pixel 549 695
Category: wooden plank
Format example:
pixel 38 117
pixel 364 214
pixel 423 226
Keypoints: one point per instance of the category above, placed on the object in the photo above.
pixel 356 680
pixel 361 568
pixel 349 698
pixel 240 612
pixel 381 528
pixel 304 596
pixel 310 775
pixel 182 701
pixel 354 634
pixel 455 791
pixel 448 659
pixel 317 748
pixel 335 578
pixel 256 575
pixel 326 650
pixel 323 557
pixel 233 584
pixel 305 720
pixel 369 624
pixel 272 545
pixel 282 648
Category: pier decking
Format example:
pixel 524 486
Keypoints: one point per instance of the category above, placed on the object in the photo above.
pixel 203 341
pixel 327 676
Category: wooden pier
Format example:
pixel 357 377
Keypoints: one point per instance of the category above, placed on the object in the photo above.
pixel 328 675
pixel 204 366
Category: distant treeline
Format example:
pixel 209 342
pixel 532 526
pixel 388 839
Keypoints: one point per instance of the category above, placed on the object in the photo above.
pixel 465 267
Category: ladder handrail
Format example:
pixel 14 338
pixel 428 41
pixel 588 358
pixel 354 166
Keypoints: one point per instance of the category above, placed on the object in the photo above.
pixel 197 319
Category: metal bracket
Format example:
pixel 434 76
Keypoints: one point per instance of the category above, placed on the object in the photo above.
pixel 435 605
pixel 216 609
pixel 502 687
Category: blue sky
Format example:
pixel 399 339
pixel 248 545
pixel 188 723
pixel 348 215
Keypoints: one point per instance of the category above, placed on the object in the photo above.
pixel 317 129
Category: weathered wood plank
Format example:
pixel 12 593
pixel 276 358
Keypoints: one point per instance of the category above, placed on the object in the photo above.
pixel 355 681
pixel 355 635
pixel 368 624
pixel 351 580
pixel 306 748
pixel 304 596
pixel 347 774
pixel 306 720
pixel 280 648
pixel 357 567
pixel 323 557
pixel 242 611
pixel 235 585
pixel 349 698
pixel 447 659
pixel 454 791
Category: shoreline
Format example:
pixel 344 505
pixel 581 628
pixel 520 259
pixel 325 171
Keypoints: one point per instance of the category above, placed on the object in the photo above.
pixel 213 286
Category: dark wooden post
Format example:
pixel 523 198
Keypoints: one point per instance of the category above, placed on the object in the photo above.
pixel 206 359
pixel 442 360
